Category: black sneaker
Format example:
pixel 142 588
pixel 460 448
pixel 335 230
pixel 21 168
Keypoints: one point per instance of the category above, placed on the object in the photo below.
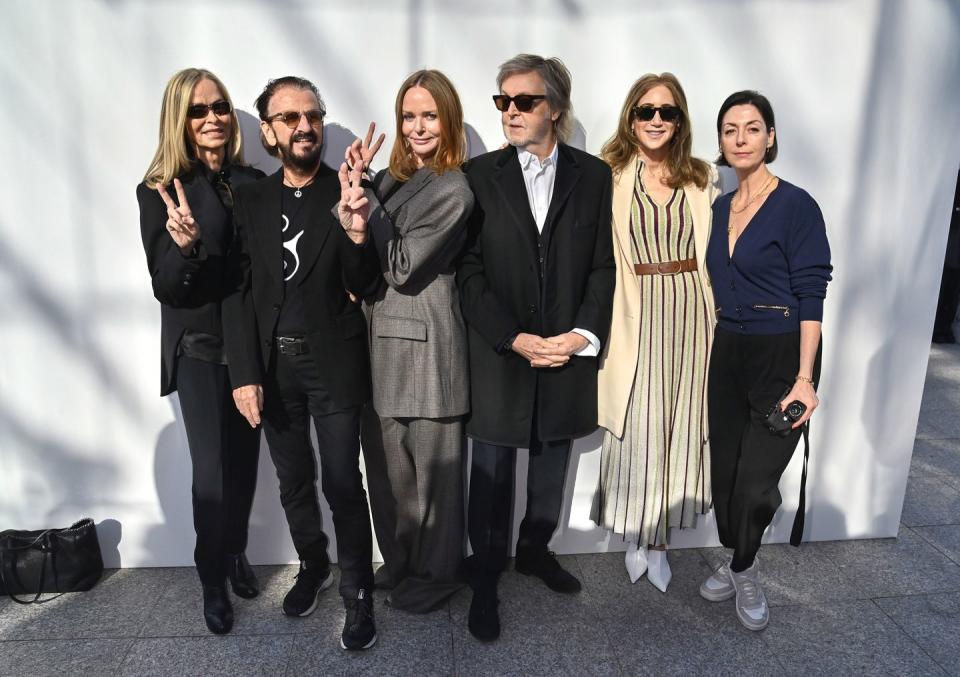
pixel 544 565
pixel 359 632
pixel 303 596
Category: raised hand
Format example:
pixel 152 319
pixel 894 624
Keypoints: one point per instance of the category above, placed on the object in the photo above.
pixel 180 224
pixel 353 208
pixel 363 151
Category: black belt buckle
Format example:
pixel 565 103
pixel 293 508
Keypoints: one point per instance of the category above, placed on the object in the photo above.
pixel 292 345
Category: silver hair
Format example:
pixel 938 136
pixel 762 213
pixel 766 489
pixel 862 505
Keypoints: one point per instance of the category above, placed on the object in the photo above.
pixel 558 83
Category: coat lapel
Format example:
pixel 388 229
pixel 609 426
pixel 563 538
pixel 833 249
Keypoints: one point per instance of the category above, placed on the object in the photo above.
pixel 420 180
pixel 508 179
pixel 267 224
pixel 568 174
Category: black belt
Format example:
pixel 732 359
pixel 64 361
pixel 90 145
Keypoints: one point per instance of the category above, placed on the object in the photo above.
pixel 292 345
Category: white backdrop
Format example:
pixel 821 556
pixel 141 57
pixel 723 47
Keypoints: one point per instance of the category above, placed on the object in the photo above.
pixel 867 96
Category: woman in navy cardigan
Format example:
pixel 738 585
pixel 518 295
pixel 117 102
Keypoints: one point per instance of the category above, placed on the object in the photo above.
pixel 769 277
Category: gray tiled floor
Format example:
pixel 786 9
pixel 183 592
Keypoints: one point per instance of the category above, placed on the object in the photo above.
pixel 851 608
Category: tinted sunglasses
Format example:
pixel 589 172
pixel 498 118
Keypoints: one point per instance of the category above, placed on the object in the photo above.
pixel 292 118
pixel 645 113
pixel 523 102
pixel 200 110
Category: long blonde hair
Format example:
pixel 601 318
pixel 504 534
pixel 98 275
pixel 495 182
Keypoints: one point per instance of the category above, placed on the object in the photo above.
pixel 452 148
pixel 174 154
pixel 620 149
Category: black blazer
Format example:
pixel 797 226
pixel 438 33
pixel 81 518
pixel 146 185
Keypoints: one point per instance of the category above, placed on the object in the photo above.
pixel 512 280
pixel 331 264
pixel 190 289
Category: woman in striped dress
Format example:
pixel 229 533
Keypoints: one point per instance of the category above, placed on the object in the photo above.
pixel 654 472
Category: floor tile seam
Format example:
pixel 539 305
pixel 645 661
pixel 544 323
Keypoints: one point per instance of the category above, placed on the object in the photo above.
pixel 906 634
pixel 126 655
pixel 937 546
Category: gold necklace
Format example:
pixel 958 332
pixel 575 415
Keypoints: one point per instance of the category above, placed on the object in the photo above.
pixel 756 197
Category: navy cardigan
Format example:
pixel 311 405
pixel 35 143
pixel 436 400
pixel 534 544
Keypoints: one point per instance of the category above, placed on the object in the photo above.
pixel 780 267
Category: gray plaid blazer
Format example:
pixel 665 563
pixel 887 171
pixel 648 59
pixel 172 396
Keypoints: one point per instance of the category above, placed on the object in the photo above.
pixel 418 344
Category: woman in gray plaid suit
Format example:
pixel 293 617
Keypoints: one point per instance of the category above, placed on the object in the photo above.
pixel 412 434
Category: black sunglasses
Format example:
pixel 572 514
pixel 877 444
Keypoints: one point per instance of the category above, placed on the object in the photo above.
pixel 292 118
pixel 646 112
pixel 523 102
pixel 200 110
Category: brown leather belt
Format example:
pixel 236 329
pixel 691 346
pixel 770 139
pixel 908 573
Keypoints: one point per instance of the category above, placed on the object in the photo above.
pixel 665 267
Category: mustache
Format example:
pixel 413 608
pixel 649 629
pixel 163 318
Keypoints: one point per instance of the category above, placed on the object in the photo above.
pixel 304 136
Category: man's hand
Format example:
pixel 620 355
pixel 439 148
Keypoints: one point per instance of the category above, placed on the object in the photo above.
pixel 354 207
pixel 567 344
pixel 249 401
pixel 538 351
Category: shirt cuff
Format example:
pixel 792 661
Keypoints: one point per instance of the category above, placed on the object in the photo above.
pixel 593 348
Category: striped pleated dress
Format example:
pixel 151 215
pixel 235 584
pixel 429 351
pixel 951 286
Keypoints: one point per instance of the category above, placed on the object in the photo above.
pixel 658 476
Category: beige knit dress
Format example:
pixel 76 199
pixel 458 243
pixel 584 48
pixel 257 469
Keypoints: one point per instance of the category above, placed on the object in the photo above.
pixel 658 476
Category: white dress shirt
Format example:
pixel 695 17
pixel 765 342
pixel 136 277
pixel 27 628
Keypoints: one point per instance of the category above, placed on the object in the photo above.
pixel 539 177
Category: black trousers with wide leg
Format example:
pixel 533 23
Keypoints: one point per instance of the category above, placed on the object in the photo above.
pixel 224 450
pixel 747 375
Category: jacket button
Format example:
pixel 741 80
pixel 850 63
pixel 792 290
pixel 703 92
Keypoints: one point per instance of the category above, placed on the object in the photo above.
pixel 532 309
pixel 276 306
pixel 186 283
pixel 739 309
pixel 266 343
pixel 188 275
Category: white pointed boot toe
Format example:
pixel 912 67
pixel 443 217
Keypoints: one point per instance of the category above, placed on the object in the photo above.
pixel 658 569
pixel 636 562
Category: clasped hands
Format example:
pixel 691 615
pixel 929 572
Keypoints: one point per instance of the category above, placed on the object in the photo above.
pixel 553 351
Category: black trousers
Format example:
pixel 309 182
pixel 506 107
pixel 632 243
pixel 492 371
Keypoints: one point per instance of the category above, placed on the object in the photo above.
pixel 492 476
pixel 224 451
pixel 747 375
pixel 293 393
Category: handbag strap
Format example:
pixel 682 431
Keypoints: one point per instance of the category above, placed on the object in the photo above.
pixel 796 535
pixel 43 568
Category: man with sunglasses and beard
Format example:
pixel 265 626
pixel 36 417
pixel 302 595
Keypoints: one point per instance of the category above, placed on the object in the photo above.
pixel 296 344
pixel 536 287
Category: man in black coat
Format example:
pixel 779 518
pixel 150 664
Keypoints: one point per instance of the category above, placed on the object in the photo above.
pixel 296 344
pixel 536 285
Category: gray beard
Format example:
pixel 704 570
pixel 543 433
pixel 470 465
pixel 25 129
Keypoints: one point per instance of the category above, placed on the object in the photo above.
pixel 303 163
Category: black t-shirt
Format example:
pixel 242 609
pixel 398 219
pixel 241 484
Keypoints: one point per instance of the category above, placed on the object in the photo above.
pixel 292 321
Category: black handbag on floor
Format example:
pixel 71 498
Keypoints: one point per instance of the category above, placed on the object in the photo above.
pixel 49 560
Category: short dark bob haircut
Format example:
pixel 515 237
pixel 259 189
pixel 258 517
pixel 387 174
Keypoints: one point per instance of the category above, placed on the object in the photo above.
pixel 749 97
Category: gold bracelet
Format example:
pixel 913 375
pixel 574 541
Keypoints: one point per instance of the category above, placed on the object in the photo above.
pixel 804 379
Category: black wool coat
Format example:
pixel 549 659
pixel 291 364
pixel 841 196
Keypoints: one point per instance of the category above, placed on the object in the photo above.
pixel 189 289
pixel 513 281
pixel 331 264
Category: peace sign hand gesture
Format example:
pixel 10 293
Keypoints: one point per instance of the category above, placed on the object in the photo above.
pixel 363 150
pixel 354 207
pixel 180 224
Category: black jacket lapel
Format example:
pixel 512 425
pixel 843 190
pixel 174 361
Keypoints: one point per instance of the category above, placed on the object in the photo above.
pixel 509 181
pixel 568 174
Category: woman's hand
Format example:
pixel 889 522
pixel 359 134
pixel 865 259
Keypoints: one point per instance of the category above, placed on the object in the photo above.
pixel 180 224
pixel 805 393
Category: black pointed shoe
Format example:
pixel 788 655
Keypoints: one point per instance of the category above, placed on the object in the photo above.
pixel 484 621
pixel 242 578
pixel 544 565
pixel 217 610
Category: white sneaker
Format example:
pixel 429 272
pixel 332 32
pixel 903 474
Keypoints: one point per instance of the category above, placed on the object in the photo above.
pixel 752 607
pixel 719 586
pixel 658 569
pixel 636 562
